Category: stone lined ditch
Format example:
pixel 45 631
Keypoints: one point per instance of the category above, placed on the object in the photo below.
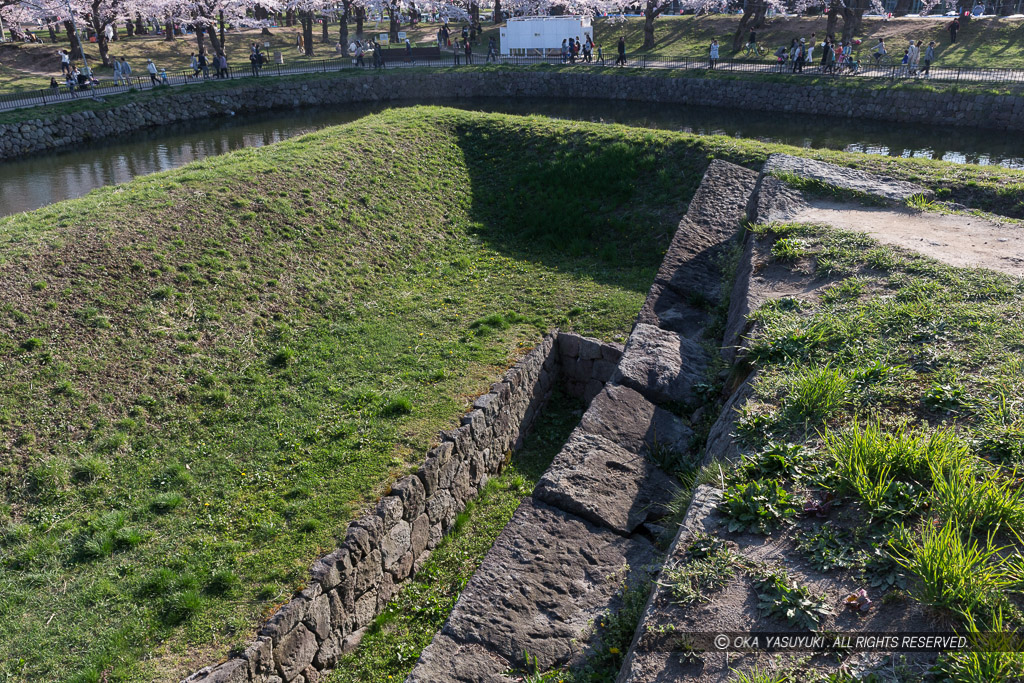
pixel 591 528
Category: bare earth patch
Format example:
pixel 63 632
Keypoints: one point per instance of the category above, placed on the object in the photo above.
pixel 958 240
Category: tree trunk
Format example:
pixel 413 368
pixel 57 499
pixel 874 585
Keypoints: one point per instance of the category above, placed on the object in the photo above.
pixel 200 40
pixel 394 22
pixel 1006 8
pixel 131 28
pixel 760 15
pixel 360 17
pixel 739 37
pixel 138 24
pixel 53 32
pixel 902 8
pixel 835 10
pixel 651 10
pixel 497 12
pixel 307 32
pixel 101 35
pixel 218 46
pixel 343 28
pixel 169 30
pixel 261 14
pixel 325 37
pixel 76 46
pixel 474 13
pixel 221 13
pixel 289 18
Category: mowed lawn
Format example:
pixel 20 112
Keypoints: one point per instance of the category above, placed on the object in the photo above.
pixel 206 373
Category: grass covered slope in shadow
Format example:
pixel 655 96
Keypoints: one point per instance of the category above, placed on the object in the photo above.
pixel 207 372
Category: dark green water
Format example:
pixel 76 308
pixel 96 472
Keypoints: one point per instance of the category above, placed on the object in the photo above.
pixel 43 179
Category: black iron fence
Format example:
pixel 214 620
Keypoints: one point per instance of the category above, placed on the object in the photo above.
pixel 447 58
pixel 863 68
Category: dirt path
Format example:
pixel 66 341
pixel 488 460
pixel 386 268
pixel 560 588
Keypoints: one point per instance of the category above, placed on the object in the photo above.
pixel 966 241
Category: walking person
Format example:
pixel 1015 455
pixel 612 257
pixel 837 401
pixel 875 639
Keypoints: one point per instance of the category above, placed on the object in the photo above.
pixel 151 68
pixel 565 51
pixel 254 63
pixel 797 54
pixel 117 72
pixel 491 51
pixel 915 56
pixel 929 57
pixel 358 52
pixel 713 53
pixel 469 51
pixel 600 55
pixel 953 28
pixel 65 62
pixel 621 61
pixel 193 64
pixel 204 65
pixel 126 71
pixel 455 52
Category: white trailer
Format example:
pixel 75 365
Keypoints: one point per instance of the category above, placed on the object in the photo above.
pixel 541 36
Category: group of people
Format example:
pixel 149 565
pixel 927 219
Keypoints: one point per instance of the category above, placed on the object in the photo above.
pixel 358 49
pixel 573 49
pixel 201 63
pixel 913 55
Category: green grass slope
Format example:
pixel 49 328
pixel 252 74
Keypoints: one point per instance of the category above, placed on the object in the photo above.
pixel 207 372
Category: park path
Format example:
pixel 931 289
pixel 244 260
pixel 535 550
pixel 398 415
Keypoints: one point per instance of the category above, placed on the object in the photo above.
pixel 142 82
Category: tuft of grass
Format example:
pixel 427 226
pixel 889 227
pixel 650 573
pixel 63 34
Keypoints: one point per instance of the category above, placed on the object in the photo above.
pixel 967 578
pixel 817 394
pixel 707 567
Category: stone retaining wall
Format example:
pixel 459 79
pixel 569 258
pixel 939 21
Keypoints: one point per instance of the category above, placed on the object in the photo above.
pixel 350 586
pixel 1000 112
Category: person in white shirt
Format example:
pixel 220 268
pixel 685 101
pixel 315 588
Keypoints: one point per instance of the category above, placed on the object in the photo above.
pixel 151 68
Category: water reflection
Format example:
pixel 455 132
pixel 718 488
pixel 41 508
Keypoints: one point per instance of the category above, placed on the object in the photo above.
pixel 44 179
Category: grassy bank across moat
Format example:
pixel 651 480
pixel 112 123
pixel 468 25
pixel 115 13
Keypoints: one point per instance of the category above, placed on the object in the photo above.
pixel 208 372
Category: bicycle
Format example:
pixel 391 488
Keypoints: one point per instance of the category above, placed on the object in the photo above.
pixel 755 50
pixel 885 61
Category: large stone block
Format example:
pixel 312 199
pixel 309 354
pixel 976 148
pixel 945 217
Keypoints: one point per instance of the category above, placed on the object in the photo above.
pixel 548 576
pixel 410 491
pixel 664 366
pixel 295 652
pixel 627 419
pixel 445 660
pixel 889 189
pixel 604 484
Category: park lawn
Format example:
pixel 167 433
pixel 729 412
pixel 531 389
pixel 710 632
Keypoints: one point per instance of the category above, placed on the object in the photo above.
pixel 29 66
pixel 208 372
pixel 990 43
pixel 997 43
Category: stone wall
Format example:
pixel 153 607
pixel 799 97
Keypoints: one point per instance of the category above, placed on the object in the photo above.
pixel 349 587
pixel 586 365
pixel 1002 112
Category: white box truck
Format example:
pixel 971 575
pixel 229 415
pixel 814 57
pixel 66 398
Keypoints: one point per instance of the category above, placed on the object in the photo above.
pixel 541 36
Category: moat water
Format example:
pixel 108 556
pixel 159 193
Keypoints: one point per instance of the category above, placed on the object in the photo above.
pixel 47 178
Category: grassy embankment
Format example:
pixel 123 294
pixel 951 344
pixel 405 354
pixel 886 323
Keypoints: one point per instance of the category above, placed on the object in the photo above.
pixel 990 43
pixel 895 399
pixel 209 371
